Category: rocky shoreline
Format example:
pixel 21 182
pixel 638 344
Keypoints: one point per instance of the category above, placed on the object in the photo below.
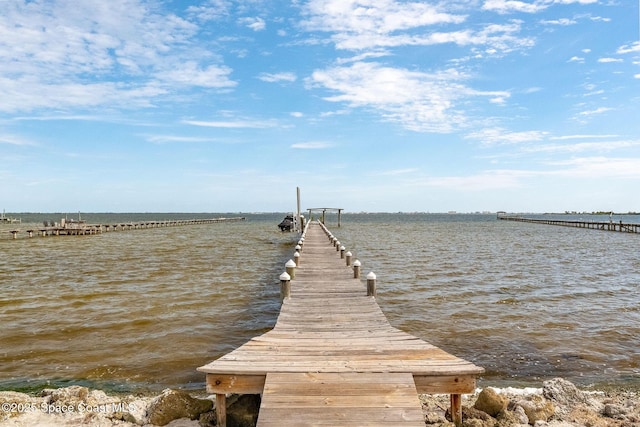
pixel 558 403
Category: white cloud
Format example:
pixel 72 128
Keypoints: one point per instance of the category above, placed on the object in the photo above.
pixel 278 77
pixel 634 47
pixel 565 137
pixel 561 21
pixel 601 147
pixel 256 23
pixel 599 167
pixel 192 74
pixel 235 124
pixel 14 140
pixel 312 145
pixel 509 6
pixel 516 6
pixel 395 172
pixel 501 136
pixel 211 10
pixel 160 139
pixel 373 17
pixel 599 110
pixel 576 59
pixel 365 25
pixel 488 180
pixel 63 54
pixel 607 60
pixel 418 101
pixel 297 114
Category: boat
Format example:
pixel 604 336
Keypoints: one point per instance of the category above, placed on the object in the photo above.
pixel 287 223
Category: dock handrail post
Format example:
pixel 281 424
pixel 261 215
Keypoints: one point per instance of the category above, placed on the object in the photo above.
pixel 371 284
pixel 348 256
pixel 290 267
pixel 342 253
pixel 356 269
pixel 296 258
pixel 285 286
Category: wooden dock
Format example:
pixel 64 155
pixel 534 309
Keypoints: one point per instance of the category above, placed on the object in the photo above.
pixel 332 357
pixel 82 229
pixel 594 225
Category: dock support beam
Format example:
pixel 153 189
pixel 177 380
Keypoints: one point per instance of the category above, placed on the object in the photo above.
pixel 221 410
pixel 456 409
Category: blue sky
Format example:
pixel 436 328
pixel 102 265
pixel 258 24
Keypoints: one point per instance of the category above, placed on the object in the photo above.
pixel 369 105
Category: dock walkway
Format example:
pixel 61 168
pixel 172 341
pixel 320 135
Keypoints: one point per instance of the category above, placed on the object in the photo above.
pixel 84 229
pixel 333 358
pixel 593 225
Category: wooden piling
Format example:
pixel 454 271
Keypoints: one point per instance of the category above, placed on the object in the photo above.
pixel 371 284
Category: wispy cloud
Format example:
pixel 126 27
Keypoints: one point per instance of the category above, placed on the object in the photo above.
pixel 502 136
pixel 418 101
pixel 255 23
pixel 15 140
pixel 634 47
pixel 599 167
pixel 236 124
pixel 312 145
pixel 396 172
pixel 599 110
pixel 278 77
pixel 511 6
pixel 161 139
pixel 606 60
pixel 89 54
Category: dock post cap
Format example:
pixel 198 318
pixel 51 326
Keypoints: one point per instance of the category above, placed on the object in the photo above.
pixel 371 276
pixel 357 263
pixel 298 247
pixel 284 277
pixel 290 263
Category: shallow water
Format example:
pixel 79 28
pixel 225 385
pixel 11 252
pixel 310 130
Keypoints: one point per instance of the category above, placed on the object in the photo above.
pixel 140 310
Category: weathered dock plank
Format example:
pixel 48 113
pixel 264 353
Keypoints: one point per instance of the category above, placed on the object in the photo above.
pixel 340 399
pixel 329 333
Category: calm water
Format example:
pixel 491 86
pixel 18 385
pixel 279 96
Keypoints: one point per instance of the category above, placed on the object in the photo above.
pixel 140 310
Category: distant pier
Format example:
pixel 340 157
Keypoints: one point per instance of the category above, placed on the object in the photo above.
pixel 594 225
pixel 80 228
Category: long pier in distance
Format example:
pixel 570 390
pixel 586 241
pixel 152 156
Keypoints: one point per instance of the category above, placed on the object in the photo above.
pixel 610 225
pixel 81 228
pixel 333 358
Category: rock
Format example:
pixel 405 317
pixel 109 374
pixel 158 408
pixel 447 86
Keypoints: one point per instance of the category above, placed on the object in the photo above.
pixel 243 412
pixel 512 417
pixel 490 402
pixel 174 404
pixel 614 411
pixel 566 396
pixel 67 396
pixel 537 408
pixel 18 403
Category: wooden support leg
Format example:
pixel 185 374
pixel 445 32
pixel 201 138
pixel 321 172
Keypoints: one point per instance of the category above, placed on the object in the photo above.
pixel 221 410
pixel 456 409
